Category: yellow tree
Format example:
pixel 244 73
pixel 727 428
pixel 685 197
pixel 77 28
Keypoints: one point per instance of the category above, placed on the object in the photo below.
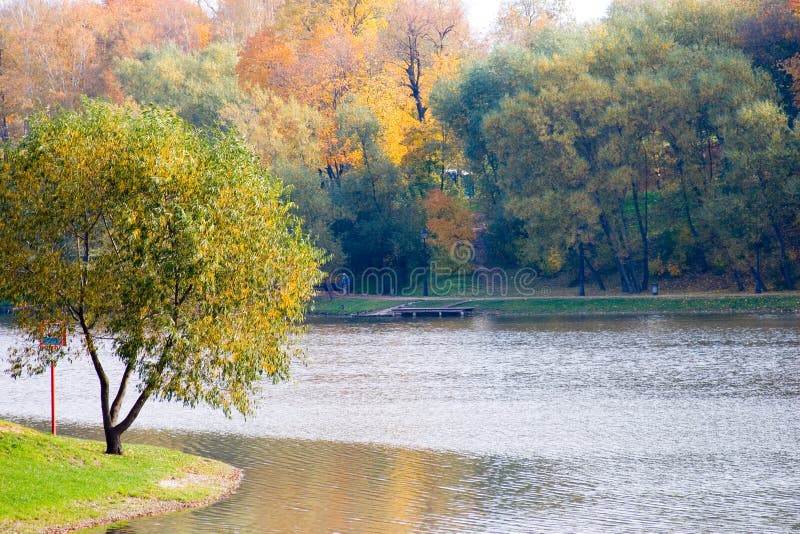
pixel 176 245
pixel 319 54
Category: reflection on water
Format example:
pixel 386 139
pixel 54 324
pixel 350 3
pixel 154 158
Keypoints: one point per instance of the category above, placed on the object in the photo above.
pixel 487 425
pixel 302 486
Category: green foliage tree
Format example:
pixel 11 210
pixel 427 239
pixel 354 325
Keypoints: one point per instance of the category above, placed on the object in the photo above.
pixel 620 144
pixel 176 245
pixel 628 143
pixel 762 187
pixel 198 85
pixel 379 217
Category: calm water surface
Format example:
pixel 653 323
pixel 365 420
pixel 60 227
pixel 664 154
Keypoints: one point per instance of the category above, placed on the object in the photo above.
pixel 666 424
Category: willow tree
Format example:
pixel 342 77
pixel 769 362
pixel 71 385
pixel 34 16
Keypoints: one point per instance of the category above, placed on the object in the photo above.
pixel 177 246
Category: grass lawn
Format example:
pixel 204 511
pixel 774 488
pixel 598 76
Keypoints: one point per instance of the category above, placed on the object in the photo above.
pixel 642 304
pixel 775 302
pixel 54 481
pixel 350 305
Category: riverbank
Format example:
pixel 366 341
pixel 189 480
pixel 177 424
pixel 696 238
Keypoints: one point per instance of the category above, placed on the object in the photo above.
pixel 617 305
pixel 59 484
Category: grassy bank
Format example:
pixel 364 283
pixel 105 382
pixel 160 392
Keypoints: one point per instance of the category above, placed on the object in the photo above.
pixel 644 304
pixel 633 305
pixel 54 483
pixel 351 305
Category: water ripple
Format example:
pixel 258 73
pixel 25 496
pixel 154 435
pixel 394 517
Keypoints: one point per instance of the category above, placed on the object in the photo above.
pixel 481 425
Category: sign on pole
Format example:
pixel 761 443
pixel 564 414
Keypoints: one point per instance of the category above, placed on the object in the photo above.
pixel 54 337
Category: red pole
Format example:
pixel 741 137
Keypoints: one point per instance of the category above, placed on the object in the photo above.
pixel 53 398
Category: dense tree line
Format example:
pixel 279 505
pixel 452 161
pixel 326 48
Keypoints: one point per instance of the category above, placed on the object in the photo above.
pixel 657 142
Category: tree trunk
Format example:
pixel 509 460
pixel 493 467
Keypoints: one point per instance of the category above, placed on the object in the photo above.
pixel 624 283
pixel 414 73
pixel 757 273
pixel 581 288
pixel 738 279
pixel 634 281
pixel 785 268
pixel 643 233
pixel 759 284
pixel 624 238
pixel 595 275
pixel 623 274
pixel 113 441
pixel 687 212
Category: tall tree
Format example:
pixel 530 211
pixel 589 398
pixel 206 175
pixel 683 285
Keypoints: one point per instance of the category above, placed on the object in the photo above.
pixel 762 159
pixel 421 32
pixel 176 245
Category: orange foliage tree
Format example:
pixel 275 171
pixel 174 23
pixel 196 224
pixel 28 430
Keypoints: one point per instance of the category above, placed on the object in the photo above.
pixel 449 223
pixel 51 54
pixel 55 51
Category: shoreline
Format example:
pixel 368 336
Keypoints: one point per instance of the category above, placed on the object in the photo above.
pixel 362 306
pixel 70 484
pixel 140 508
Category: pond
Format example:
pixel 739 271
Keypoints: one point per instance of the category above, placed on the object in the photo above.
pixel 481 424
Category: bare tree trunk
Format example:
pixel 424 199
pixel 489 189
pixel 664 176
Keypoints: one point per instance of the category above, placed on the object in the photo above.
pixel 687 212
pixel 625 282
pixel 414 73
pixel 631 267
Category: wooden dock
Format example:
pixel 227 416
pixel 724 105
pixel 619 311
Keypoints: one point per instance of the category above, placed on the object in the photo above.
pixel 446 311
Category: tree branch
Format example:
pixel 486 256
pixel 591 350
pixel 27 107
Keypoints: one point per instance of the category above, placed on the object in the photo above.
pixel 98 368
pixel 135 409
pixel 110 236
pixel 117 404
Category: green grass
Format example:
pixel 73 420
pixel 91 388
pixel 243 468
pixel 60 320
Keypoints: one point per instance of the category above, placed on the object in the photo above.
pixel 572 305
pixel 643 304
pixel 350 305
pixel 48 481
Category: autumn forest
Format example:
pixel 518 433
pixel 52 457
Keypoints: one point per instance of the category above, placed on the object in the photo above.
pixel 657 143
